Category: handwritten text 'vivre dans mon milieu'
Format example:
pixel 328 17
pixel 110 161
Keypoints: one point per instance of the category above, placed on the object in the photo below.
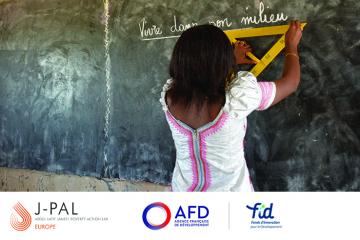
pixel 156 32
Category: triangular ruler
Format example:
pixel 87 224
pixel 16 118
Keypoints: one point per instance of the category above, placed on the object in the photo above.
pixel 260 32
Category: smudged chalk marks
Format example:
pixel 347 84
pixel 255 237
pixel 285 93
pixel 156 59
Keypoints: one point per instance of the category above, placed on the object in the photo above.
pixel 108 83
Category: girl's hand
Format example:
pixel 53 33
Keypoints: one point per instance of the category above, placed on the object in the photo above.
pixel 293 36
pixel 240 50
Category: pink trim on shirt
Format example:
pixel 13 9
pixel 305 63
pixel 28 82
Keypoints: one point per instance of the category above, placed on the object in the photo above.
pixel 267 89
pixel 203 135
pixel 188 134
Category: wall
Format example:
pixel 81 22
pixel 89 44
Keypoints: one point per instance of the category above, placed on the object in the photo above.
pixel 29 180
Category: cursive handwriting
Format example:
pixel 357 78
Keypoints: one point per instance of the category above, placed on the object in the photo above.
pixel 263 18
pixel 153 32
pixel 176 27
pixel 148 31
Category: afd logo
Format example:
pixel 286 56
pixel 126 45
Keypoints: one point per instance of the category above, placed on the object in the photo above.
pixel 261 211
pixel 186 216
pixel 21 220
pixel 151 225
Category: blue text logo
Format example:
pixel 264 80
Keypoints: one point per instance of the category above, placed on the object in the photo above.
pixel 201 211
pixel 261 211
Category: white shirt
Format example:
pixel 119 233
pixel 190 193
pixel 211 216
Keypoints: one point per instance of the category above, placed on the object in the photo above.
pixel 211 158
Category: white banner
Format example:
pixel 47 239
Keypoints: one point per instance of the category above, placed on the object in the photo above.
pixel 154 216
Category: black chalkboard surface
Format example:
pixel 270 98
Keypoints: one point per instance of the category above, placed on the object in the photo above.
pixel 80 83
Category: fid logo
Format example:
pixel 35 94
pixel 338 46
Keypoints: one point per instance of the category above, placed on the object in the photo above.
pixel 25 222
pixel 262 210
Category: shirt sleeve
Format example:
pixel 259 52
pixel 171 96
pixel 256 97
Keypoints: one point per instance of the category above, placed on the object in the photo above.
pixel 268 91
pixel 246 95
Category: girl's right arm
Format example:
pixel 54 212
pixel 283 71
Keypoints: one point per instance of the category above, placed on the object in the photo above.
pixel 290 79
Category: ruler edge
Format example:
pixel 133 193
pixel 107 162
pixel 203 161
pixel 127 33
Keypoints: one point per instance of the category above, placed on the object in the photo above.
pixel 255 32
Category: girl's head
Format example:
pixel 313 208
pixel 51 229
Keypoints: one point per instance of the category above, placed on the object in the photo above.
pixel 201 66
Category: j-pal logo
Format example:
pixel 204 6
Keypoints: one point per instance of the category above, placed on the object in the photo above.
pixel 21 220
pixel 261 211
pixel 45 218
pixel 186 216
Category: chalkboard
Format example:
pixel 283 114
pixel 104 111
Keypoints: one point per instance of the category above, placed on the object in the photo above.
pixel 80 83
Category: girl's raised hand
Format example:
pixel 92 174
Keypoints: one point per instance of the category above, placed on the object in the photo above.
pixel 240 50
pixel 293 36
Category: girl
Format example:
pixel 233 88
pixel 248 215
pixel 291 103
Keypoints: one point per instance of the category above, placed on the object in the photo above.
pixel 206 105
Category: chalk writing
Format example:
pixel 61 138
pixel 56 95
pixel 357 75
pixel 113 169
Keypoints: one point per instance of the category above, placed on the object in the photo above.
pixel 221 23
pixel 263 18
pixel 179 27
pixel 148 31
pixel 154 32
